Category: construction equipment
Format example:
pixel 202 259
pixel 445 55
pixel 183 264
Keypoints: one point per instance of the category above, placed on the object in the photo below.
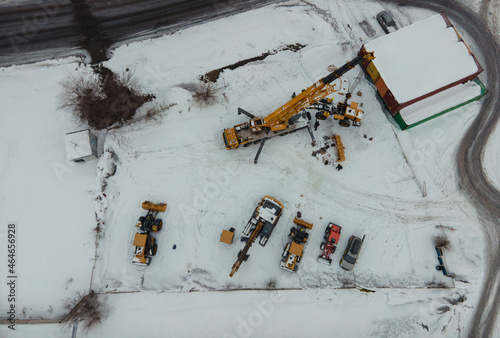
pixel 291 116
pixel 332 235
pixel 144 244
pixel 227 236
pixel 346 114
pixel 144 248
pixel 149 222
pixel 340 148
pixel 294 250
pixel 262 223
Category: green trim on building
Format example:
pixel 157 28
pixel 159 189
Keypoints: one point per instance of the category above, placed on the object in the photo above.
pixel 402 124
pixel 399 120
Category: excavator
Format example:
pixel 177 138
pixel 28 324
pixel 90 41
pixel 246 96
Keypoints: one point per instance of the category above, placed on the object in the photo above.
pixel 262 223
pixel 292 116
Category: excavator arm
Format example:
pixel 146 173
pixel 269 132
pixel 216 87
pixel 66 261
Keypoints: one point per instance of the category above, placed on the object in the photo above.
pixel 243 253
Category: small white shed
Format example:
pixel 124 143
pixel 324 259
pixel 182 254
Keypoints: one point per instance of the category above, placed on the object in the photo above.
pixel 81 146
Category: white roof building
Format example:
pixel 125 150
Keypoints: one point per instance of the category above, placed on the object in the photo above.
pixel 423 70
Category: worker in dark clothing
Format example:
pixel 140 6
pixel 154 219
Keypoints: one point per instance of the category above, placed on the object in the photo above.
pixel 338 167
pixel 316 125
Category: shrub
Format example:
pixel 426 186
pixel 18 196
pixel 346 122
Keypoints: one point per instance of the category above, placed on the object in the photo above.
pixel 205 94
pixel 89 309
pixel 102 99
pixel 271 284
pixel 442 241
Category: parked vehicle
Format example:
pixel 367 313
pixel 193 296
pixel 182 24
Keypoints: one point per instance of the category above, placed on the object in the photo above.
pixel 264 219
pixel 386 20
pixel 332 235
pixel 294 250
pixel 144 244
pixel 351 253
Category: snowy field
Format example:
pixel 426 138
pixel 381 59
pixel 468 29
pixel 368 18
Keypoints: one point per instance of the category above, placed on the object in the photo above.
pixel 182 161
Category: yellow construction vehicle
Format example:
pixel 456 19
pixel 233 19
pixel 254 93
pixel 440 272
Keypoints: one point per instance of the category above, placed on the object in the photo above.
pixel 345 113
pixel 262 223
pixel 292 115
pixel 144 244
pixel 294 250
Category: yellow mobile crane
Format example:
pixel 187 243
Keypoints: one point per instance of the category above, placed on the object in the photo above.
pixel 291 116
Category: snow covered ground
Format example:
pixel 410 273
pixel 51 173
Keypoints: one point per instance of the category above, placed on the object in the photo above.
pixel 49 200
pixel 346 313
pixel 182 161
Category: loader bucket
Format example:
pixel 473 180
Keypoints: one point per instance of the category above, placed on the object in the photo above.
pixel 160 207
pixel 303 223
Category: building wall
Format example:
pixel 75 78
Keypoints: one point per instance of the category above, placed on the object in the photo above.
pixel 93 144
pixel 385 93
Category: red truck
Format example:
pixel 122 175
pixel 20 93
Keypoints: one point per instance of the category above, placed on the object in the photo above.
pixel 332 235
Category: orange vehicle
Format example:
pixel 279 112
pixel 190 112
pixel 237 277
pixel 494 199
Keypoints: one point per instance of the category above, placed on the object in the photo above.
pixel 291 116
pixel 144 244
pixel 292 254
pixel 144 248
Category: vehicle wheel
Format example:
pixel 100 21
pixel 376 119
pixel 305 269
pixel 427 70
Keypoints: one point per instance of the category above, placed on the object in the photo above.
pixel 345 123
pixel 159 224
pixel 308 114
pixel 306 235
pixel 247 144
pixel 322 246
pixel 320 116
pixel 153 249
pixel 439 267
pixel 142 219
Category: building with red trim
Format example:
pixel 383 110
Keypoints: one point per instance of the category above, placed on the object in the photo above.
pixel 423 71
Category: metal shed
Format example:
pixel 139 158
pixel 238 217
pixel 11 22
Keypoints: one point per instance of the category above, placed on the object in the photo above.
pixel 81 146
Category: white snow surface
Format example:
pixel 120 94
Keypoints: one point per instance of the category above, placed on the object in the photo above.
pixel 182 161
pixel 49 199
pixel 440 102
pixel 421 58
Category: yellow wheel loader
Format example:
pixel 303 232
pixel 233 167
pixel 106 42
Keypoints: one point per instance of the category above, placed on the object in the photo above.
pixel 292 254
pixel 144 243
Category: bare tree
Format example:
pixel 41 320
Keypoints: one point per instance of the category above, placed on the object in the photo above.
pixel 90 310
